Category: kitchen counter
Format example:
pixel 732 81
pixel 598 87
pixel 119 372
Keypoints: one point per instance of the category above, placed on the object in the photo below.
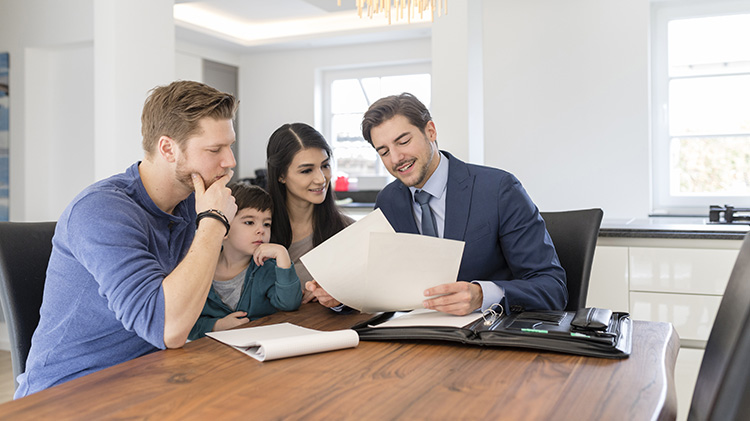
pixel 653 227
pixel 672 227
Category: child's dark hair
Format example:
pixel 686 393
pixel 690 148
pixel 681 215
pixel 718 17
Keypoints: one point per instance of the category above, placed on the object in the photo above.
pixel 250 196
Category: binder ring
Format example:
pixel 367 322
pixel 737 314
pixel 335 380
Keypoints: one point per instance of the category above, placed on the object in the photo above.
pixel 490 315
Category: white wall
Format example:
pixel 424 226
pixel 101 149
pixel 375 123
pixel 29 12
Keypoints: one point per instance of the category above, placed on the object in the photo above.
pixel 567 101
pixel 79 73
pixel 188 67
pixel 45 32
pixel 458 81
pixel 189 60
pixel 134 51
pixel 564 87
pixel 59 127
pixel 280 87
pixel 564 98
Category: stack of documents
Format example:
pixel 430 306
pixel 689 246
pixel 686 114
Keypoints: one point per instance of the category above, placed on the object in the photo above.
pixel 371 268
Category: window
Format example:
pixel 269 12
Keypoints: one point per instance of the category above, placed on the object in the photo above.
pixel 701 109
pixel 347 95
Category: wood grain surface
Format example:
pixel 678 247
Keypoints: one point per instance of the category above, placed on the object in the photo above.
pixel 376 380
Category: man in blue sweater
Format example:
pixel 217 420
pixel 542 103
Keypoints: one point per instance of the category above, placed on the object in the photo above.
pixel 129 273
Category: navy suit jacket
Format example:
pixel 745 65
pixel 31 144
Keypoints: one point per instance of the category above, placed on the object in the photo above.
pixel 506 241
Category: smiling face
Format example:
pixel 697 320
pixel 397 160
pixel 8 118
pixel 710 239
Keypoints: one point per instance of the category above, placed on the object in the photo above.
pixel 207 153
pixel 308 176
pixel 408 153
pixel 249 229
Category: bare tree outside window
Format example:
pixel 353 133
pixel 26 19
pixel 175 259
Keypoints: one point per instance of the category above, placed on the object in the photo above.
pixel 709 106
pixel 349 98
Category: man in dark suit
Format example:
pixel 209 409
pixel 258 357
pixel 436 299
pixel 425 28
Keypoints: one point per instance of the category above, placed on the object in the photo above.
pixel 508 255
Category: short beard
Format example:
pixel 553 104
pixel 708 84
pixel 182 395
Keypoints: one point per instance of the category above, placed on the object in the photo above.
pixel 423 172
pixel 422 176
pixel 185 175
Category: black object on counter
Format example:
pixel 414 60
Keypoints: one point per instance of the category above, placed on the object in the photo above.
pixel 728 214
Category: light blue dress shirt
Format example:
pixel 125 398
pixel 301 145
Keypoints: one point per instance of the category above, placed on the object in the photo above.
pixel 437 186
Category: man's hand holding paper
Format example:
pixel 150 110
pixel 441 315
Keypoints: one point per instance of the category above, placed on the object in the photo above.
pixel 370 267
pixel 321 295
pixel 457 298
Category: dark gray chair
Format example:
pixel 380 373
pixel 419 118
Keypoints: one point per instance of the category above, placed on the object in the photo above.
pixel 25 248
pixel 722 391
pixel 574 234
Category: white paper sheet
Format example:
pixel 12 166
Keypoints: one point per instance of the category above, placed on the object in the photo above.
pixel 339 264
pixel 285 340
pixel 425 317
pixel 370 267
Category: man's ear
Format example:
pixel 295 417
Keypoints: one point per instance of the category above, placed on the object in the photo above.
pixel 167 148
pixel 430 130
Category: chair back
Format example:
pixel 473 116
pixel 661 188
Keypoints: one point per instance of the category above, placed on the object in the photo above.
pixel 574 234
pixel 25 248
pixel 722 390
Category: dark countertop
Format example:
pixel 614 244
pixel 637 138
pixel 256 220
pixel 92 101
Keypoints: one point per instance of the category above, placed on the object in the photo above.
pixel 672 227
pixel 653 227
pixel 361 197
pixel 354 205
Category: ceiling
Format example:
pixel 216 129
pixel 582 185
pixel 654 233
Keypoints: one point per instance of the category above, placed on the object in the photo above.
pixel 253 25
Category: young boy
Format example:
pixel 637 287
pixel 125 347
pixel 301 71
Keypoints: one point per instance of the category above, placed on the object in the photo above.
pixel 253 278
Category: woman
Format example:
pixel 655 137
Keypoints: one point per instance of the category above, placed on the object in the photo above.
pixel 304 211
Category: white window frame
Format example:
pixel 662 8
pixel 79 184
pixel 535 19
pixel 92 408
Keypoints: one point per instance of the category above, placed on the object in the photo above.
pixel 663 203
pixel 328 76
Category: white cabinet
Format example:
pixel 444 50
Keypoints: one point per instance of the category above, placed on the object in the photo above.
pixel 683 286
pixel 680 281
pixel 692 315
pixel 685 374
pixel 609 283
pixel 680 270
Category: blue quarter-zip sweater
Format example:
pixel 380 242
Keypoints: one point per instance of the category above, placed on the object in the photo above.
pixel 103 299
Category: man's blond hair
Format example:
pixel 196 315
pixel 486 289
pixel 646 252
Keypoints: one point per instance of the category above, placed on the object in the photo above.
pixel 175 110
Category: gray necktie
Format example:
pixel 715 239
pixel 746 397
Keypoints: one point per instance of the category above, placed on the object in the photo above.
pixel 429 227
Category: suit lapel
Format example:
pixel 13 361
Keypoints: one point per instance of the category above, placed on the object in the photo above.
pixel 458 199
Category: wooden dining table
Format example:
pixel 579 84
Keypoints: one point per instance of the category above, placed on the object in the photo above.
pixel 208 380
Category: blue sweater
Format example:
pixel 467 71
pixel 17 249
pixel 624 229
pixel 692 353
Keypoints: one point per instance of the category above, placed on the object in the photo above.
pixel 103 299
pixel 266 289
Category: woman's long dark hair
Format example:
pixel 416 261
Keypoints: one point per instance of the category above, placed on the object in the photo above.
pixel 283 145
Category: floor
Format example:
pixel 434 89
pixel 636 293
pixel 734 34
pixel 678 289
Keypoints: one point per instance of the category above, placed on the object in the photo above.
pixel 6 377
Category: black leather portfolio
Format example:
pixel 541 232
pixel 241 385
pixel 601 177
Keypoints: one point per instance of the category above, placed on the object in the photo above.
pixel 545 330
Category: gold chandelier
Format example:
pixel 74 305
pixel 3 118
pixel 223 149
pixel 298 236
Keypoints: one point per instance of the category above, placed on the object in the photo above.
pixel 412 7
